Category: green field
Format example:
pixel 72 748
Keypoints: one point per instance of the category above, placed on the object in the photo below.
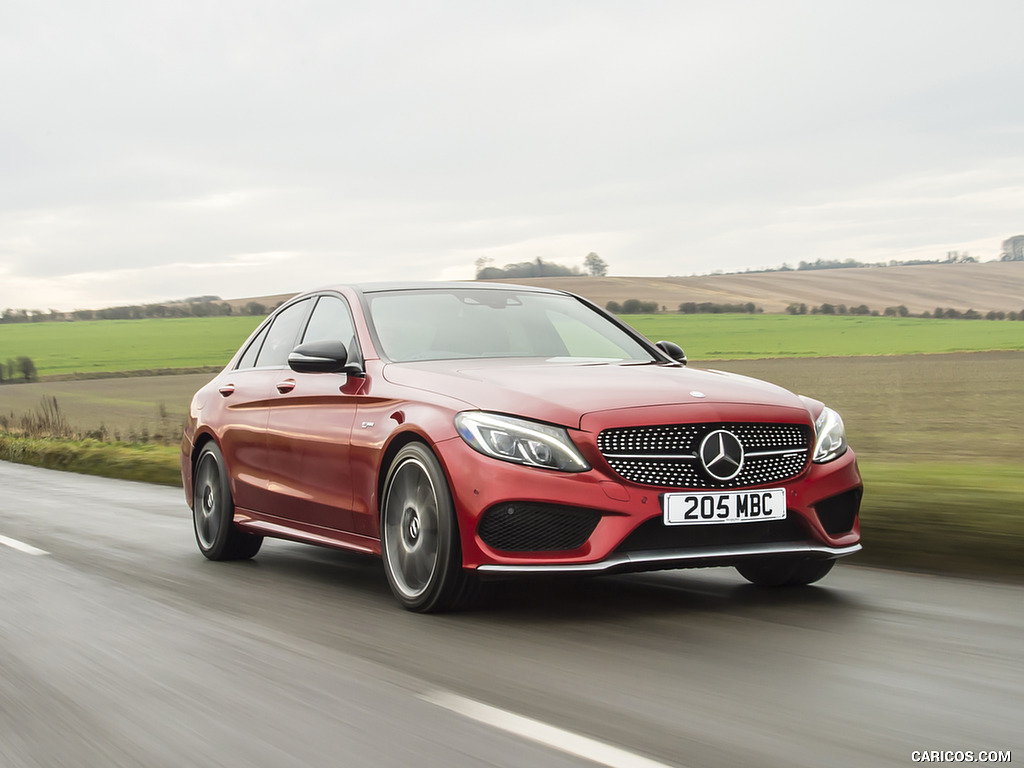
pixel 134 345
pixel 126 345
pixel 737 337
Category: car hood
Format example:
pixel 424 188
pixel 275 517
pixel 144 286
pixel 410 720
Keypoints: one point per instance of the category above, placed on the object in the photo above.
pixel 564 392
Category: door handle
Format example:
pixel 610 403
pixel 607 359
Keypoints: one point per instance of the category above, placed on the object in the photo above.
pixel 227 390
pixel 286 386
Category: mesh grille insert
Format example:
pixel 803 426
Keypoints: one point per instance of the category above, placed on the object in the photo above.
pixel 524 526
pixel 667 455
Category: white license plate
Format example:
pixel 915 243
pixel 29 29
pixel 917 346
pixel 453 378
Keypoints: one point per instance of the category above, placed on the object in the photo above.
pixel 724 507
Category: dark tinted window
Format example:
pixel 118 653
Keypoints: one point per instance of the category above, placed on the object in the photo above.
pixel 331 321
pixel 248 360
pixel 282 336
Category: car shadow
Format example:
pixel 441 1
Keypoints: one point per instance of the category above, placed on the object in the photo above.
pixel 559 599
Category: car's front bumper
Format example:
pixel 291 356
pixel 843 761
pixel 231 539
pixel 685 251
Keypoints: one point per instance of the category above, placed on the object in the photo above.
pixel 480 483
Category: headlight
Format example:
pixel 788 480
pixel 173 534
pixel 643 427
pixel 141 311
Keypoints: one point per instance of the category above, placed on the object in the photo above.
pixel 829 437
pixel 520 441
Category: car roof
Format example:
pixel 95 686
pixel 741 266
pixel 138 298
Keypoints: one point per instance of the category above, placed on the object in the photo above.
pixel 427 285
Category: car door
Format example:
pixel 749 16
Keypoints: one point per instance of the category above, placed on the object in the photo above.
pixel 310 429
pixel 247 394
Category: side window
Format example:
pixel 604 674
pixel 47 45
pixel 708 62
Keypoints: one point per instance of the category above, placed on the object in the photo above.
pixel 331 321
pixel 248 359
pixel 282 335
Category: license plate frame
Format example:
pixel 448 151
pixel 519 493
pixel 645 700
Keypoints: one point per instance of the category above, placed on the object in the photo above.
pixel 724 507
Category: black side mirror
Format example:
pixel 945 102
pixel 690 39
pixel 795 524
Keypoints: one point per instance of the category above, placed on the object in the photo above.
pixel 321 357
pixel 673 350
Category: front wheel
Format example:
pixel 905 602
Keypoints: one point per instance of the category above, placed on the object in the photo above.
pixel 213 511
pixel 784 572
pixel 420 535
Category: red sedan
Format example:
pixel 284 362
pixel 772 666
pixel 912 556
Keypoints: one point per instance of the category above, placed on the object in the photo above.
pixel 462 431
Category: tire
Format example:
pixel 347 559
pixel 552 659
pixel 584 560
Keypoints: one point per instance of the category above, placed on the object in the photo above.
pixel 420 535
pixel 213 511
pixel 784 572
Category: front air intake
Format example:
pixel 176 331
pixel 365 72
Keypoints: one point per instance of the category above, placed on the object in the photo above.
pixel 525 526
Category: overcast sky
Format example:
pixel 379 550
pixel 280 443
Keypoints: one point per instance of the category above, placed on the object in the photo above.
pixel 158 150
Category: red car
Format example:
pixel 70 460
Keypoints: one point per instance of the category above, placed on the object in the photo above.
pixel 463 430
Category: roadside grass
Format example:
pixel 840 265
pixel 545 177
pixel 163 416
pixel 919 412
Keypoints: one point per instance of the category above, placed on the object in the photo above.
pixel 103 346
pixel 148 463
pixel 945 518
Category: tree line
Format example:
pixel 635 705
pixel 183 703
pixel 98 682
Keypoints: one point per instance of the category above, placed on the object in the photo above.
pixel 18 369
pixel 947 313
pixel 207 307
pixel 638 307
pixel 593 265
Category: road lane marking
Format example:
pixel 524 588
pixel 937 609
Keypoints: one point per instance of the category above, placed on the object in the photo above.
pixel 21 546
pixel 535 730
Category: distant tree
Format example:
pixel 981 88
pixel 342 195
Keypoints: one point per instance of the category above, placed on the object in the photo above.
pixel 971 314
pixel 27 368
pixel 614 307
pixel 860 310
pixel 595 265
pixel 828 309
pixel 254 308
pixel 481 264
pixel 637 307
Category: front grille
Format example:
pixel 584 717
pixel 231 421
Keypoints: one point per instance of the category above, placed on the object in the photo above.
pixel 654 535
pixel 838 513
pixel 667 455
pixel 530 527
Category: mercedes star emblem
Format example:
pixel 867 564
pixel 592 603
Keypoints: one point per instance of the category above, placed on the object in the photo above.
pixel 722 455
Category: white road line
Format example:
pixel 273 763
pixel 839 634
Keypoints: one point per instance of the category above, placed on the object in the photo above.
pixel 535 730
pixel 21 546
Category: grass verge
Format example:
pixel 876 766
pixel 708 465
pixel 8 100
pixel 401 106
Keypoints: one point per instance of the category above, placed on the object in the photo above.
pixel 965 519
pixel 148 463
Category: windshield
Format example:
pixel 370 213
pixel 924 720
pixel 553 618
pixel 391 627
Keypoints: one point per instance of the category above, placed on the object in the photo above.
pixel 449 324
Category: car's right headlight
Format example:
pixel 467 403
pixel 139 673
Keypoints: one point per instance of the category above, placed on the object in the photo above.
pixel 829 436
pixel 520 441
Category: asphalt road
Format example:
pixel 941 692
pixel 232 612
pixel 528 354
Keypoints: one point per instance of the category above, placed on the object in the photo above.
pixel 122 646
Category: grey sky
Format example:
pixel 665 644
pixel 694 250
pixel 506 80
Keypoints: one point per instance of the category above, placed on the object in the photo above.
pixel 153 151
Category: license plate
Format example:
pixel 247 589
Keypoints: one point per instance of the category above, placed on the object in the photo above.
pixel 724 507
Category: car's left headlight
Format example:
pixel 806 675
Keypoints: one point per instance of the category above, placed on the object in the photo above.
pixel 520 441
pixel 829 436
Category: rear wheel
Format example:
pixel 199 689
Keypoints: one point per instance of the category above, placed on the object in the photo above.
pixel 420 535
pixel 213 511
pixel 784 572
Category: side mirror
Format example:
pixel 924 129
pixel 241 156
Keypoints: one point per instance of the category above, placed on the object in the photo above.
pixel 320 357
pixel 673 350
